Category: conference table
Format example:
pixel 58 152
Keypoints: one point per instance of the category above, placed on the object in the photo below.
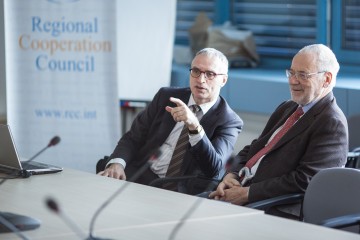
pixel 140 212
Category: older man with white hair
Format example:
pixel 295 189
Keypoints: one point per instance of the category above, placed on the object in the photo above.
pixel 304 135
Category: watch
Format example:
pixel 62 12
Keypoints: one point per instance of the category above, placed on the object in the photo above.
pixel 197 130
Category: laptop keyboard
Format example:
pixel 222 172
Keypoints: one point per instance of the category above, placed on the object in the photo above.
pixel 30 166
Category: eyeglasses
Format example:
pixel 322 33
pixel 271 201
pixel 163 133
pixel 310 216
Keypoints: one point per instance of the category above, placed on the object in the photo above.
pixel 195 72
pixel 303 76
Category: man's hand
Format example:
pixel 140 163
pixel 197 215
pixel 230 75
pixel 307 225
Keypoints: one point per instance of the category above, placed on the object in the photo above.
pixel 236 195
pixel 228 182
pixel 115 170
pixel 182 113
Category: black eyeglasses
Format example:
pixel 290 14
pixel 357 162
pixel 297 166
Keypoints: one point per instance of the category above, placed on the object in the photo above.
pixel 195 72
pixel 303 76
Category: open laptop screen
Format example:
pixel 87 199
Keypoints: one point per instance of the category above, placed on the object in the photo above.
pixel 9 158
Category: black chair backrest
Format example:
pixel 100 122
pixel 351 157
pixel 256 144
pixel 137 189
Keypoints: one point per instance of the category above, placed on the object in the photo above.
pixel 353 158
pixel 101 164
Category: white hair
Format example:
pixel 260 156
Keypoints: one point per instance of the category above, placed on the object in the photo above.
pixel 212 52
pixel 325 58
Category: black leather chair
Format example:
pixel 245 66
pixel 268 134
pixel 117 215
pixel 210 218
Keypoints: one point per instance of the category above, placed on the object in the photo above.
pixel 353 158
pixel 332 199
pixel 101 164
pixel 354 131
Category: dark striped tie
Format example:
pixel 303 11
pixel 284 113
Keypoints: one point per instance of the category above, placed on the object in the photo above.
pixel 178 155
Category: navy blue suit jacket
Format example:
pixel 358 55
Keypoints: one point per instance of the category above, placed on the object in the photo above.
pixel 152 126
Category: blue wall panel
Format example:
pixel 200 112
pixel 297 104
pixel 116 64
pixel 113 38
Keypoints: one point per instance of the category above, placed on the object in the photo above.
pixel 256 96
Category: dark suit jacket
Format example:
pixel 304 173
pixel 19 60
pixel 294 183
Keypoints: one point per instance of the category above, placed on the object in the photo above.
pixel 318 140
pixel 151 128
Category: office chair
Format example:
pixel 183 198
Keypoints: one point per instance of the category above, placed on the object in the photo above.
pixel 332 199
pixel 101 164
pixel 354 131
pixel 353 158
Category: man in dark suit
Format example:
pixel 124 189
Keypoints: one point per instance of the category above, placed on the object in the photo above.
pixel 318 140
pixel 211 132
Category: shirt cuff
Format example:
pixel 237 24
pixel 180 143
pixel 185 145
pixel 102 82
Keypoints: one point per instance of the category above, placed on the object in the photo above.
pixel 195 138
pixel 117 160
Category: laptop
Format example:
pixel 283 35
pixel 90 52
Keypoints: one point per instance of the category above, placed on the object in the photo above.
pixel 10 161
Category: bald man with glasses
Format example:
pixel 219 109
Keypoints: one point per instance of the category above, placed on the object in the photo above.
pixel 304 135
pixel 194 128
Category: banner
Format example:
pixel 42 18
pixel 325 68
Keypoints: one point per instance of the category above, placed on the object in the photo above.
pixel 62 79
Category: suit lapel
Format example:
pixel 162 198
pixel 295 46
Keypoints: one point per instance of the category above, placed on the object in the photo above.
pixel 167 122
pixel 210 117
pixel 265 139
pixel 305 121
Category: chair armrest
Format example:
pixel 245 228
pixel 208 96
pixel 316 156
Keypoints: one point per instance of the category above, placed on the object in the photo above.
pixel 101 164
pixel 353 158
pixel 357 149
pixel 342 221
pixel 276 201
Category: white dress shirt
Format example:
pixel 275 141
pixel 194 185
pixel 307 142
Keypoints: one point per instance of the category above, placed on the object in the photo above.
pixel 160 166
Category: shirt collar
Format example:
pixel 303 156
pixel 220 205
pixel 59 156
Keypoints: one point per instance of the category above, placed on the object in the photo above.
pixel 204 107
pixel 309 105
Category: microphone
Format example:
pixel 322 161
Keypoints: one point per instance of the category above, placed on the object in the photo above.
pixel 54 207
pixel 154 156
pixel 7 226
pixel 53 142
pixel 188 213
pixel 230 162
pixel 11 222
pixel 24 173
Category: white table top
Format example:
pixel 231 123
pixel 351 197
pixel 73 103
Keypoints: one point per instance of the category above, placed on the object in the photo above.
pixel 142 212
pixel 80 194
